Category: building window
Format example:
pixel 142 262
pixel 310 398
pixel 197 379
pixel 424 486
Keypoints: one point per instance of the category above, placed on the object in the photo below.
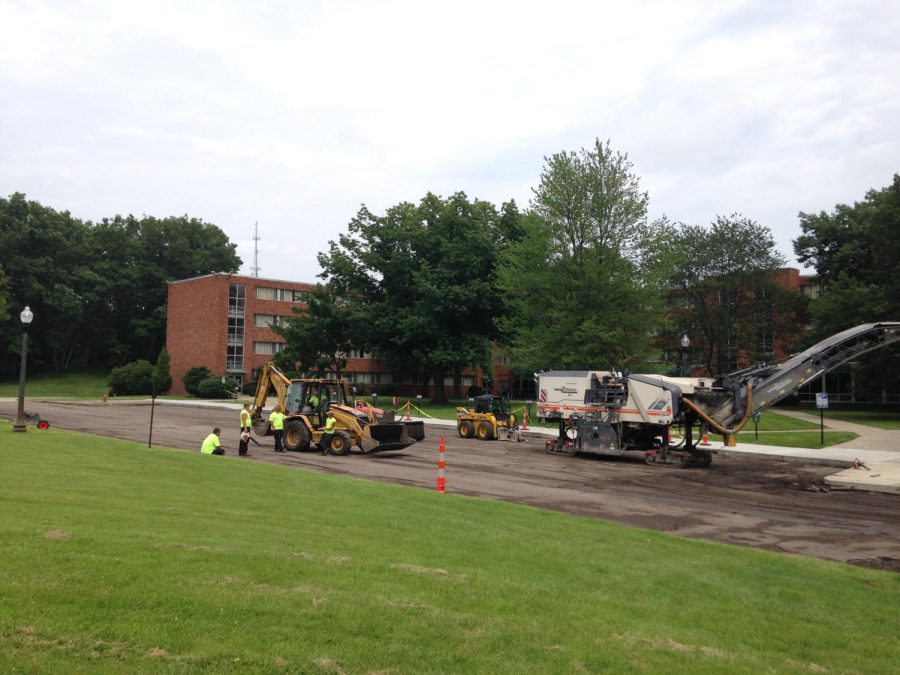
pixel 269 320
pixel 281 294
pixel 237 301
pixel 358 354
pixel 268 348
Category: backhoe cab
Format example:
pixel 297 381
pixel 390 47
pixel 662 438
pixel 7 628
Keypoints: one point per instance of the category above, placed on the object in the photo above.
pixel 487 419
pixel 306 401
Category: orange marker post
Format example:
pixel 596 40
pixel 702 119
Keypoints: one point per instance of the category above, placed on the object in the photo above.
pixel 441 484
pixel 408 406
pixel 525 418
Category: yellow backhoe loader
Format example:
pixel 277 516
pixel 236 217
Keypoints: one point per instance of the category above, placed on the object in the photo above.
pixel 305 403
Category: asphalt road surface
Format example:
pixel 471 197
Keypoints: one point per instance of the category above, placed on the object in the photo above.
pixel 761 503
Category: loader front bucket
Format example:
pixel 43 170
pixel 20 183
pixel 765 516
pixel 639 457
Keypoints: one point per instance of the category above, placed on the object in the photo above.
pixel 384 436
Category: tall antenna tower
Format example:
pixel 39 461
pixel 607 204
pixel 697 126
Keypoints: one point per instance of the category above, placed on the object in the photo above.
pixel 255 269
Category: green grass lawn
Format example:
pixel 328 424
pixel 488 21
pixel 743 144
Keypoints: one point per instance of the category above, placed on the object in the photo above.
pixel 118 558
pixel 883 419
pixel 75 385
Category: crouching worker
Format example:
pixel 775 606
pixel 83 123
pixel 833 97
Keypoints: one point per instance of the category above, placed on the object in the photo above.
pixel 325 441
pixel 211 444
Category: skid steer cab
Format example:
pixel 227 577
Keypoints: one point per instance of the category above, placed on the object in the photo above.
pixel 489 418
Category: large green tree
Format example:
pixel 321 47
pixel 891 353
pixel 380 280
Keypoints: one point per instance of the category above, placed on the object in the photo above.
pixel 140 256
pixel 726 294
pixel 98 292
pixel 318 336
pixel 579 290
pixel 421 279
pixel 856 252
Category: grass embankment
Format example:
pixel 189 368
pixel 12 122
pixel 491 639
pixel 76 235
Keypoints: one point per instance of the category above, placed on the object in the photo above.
pixel 119 558
pixel 91 385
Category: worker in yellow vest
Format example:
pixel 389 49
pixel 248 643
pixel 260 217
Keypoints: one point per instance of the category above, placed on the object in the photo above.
pixel 211 444
pixel 276 421
pixel 245 431
pixel 325 441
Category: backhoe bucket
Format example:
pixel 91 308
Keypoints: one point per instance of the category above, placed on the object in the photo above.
pixel 385 436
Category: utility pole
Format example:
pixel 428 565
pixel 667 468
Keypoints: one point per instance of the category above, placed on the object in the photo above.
pixel 255 269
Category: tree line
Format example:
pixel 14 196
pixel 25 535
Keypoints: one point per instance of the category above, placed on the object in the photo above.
pixel 578 279
pixel 98 290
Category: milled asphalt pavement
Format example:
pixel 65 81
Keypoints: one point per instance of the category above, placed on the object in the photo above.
pixel 870 462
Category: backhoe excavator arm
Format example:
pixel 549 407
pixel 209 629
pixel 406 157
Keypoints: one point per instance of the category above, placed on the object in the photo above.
pixel 269 376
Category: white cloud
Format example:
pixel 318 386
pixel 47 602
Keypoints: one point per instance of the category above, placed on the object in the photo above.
pixel 293 113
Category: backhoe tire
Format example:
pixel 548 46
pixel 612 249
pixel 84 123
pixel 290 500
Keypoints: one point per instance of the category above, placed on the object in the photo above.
pixel 466 429
pixel 485 431
pixel 296 436
pixel 340 443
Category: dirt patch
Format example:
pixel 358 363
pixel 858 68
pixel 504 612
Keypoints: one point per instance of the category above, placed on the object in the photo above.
pixel 884 563
pixel 57 535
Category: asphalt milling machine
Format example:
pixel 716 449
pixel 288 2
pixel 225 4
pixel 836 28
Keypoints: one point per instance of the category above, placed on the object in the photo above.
pixel 608 413
pixel 305 403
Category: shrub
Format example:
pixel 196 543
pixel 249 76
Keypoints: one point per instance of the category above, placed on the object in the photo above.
pixel 193 377
pixel 132 378
pixel 213 387
pixel 249 388
pixel 163 376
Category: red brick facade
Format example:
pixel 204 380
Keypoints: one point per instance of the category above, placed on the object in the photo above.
pixel 210 324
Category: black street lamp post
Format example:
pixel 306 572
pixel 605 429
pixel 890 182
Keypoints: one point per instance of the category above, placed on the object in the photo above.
pixel 685 343
pixel 25 317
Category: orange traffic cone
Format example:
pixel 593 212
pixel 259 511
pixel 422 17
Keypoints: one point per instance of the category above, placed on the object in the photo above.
pixel 441 484
pixel 705 440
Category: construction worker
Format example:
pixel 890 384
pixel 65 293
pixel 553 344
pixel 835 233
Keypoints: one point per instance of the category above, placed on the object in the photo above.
pixel 211 444
pixel 244 444
pixel 314 401
pixel 276 420
pixel 325 441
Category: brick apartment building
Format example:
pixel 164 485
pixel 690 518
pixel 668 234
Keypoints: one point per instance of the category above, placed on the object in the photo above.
pixel 224 322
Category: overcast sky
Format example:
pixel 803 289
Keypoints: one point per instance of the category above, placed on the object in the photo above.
pixel 293 114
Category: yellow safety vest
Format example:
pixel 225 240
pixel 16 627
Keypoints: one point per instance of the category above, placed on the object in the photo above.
pixel 329 425
pixel 210 443
pixel 277 420
pixel 245 418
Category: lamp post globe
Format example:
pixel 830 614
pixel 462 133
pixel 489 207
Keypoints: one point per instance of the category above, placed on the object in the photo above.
pixel 26 317
pixel 685 343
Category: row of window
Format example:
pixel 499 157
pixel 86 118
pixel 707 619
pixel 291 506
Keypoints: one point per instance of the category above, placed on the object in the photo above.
pixel 281 294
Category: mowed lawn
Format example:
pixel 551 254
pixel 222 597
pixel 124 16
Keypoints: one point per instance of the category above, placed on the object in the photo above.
pixel 118 558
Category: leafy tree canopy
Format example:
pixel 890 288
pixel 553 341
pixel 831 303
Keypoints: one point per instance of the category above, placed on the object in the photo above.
pixel 726 295
pixel 318 336
pixel 420 279
pixel 856 252
pixel 579 290
pixel 98 292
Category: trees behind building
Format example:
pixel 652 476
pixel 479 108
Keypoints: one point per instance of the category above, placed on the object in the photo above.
pixel 856 253
pixel 98 291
